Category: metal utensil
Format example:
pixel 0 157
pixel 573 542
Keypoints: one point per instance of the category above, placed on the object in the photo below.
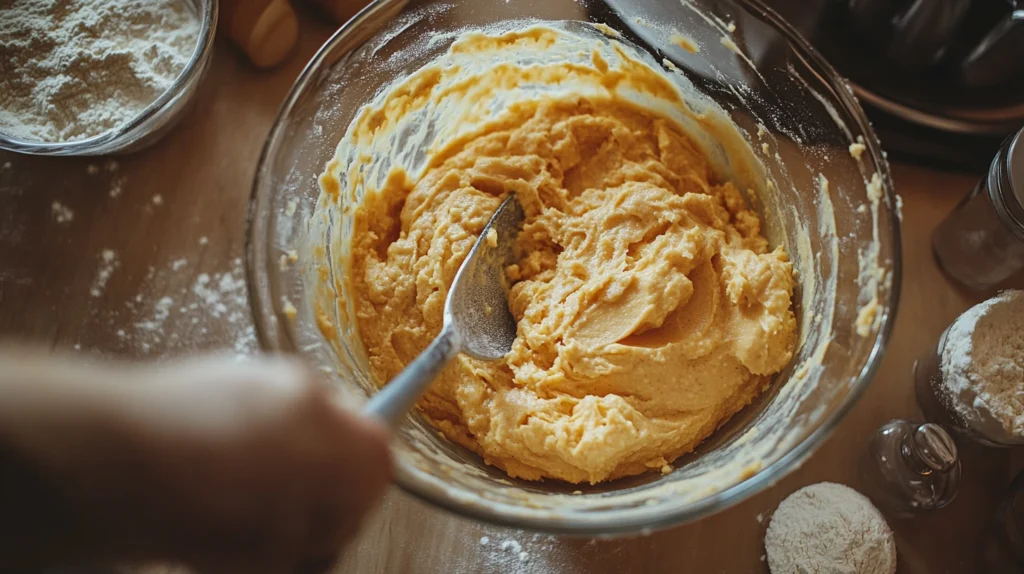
pixel 477 320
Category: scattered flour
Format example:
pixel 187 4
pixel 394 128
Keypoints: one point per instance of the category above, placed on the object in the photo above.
pixel 829 528
pixel 158 200
pixel 202 316
pixel 108 263
pixel 518 552
pixel 516 549
pixel 161 311
pixel 116 182
pixel 76 69
pixel 62 213
pixel 209 313
pixel 511 555
pixel 116 187
pixel 982 367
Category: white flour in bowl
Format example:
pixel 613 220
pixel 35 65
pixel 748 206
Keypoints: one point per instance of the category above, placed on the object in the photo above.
pixel 73 69
pixel 983 367
pixel 828 528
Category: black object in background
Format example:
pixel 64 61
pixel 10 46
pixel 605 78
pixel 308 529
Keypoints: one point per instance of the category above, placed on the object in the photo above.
pixel 942 80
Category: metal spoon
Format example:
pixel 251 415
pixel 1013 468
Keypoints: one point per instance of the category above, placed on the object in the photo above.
pixel 477 320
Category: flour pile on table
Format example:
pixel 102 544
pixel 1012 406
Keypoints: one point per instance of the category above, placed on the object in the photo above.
pixel 829 527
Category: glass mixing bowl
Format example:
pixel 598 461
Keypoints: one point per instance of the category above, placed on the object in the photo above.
pixel 152 123
pixel 821 184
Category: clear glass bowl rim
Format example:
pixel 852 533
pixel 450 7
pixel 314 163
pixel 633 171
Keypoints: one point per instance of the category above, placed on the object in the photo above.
pixel 640 519
pixel 99 143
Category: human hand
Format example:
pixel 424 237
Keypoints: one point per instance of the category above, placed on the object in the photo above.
pixel 227 467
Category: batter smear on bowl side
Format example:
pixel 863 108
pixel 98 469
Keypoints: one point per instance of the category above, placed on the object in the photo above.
pixel 650 308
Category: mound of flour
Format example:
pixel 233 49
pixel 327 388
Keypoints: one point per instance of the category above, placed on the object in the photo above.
pixel 982 367
pixel 829 528
pixel 72 69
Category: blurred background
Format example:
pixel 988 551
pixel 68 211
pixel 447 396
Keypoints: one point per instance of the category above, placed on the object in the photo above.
pixel 942 80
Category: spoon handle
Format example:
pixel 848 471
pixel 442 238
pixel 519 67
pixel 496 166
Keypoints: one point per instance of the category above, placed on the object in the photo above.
pixel 401 393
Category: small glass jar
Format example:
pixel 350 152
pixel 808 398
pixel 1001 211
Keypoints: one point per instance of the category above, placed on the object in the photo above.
pixel 936 405
pixel 911 468
pixel 981 242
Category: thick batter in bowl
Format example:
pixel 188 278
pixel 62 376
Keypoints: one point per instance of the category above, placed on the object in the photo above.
pixel 827 203
pixel 649 307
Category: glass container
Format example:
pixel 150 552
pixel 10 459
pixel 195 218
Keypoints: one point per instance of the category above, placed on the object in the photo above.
pixel 981 243
pixel 820 183
pixel 156 120
pixel 936 404
pixel 912 468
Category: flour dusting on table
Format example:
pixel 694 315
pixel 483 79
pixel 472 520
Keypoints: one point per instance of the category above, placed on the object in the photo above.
pixel 520 553
pixel 214 308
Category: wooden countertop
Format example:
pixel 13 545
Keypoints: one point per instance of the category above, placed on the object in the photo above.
pixel 172 287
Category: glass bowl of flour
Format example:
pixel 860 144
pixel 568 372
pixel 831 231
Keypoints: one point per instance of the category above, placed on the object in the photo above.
pixel 764 108
pixel 95 77
pixel 971 380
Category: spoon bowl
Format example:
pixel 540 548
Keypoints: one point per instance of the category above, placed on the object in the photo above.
pixel 477 303
pixel 477 319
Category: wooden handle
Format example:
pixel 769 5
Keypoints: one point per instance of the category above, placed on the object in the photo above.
pixel 341 10
pixel 266 30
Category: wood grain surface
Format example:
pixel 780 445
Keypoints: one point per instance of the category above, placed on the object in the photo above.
pixel 151 307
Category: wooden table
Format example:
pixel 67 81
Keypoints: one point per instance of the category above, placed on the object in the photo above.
pixel 51 292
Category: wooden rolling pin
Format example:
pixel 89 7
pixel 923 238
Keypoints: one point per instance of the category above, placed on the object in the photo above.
pixel 341 10
pixel 266 30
